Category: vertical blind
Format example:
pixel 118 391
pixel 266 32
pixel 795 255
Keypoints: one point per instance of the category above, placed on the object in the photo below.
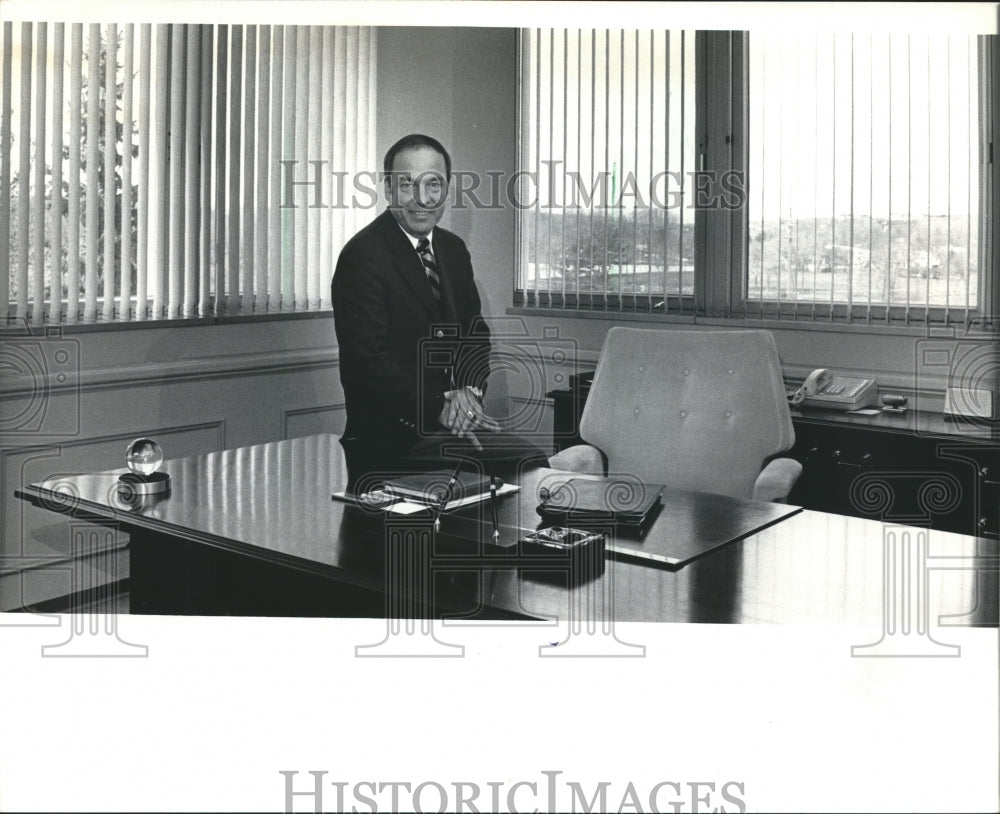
pixel 166 171
pixel 607 144
pixel 866 186
pixel 866 158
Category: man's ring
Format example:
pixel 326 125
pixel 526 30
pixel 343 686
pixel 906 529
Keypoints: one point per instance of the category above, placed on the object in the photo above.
pixel 471 414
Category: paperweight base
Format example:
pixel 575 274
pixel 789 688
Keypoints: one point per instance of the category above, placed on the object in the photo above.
pixel 154 484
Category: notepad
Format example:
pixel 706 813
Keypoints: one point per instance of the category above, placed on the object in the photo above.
pixel 407 507
pixel 432 487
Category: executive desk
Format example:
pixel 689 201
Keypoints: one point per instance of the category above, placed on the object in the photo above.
pixel 254 531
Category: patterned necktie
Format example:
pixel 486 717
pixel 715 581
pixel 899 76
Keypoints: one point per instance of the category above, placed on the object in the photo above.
pixel 430 267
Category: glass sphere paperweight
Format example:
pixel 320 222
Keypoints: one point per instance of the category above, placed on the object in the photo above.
pixel 143 457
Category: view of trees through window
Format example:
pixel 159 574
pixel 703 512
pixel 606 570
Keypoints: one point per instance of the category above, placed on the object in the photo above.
pixel 609 117
pixel 635 251
pixel 864 169
pixel 144 166
pixel 73 166
pixel 862 186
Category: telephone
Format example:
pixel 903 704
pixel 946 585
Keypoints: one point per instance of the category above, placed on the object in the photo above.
pixel 824 389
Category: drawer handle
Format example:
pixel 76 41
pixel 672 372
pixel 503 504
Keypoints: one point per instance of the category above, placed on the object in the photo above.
pixel 838 458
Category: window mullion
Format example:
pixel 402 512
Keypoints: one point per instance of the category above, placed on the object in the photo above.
pixel 989 189
pixel 732 286
pixel 715 273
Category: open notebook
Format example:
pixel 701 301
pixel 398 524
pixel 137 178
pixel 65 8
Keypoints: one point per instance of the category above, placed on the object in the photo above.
pixel 432 487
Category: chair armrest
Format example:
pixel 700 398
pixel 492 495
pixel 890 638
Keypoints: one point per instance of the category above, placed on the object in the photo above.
pixel 776 480
pixel 582 459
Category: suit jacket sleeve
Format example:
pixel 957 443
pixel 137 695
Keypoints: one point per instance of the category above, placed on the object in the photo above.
pixel 363 329
pixel 472 366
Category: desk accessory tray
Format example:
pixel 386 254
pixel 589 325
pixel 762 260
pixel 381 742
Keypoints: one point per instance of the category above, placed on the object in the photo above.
pixel 576 553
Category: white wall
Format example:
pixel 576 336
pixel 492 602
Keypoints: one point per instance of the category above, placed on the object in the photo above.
pixel 458 85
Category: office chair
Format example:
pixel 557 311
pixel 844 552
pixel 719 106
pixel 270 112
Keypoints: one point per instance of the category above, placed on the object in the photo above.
pixel 703 410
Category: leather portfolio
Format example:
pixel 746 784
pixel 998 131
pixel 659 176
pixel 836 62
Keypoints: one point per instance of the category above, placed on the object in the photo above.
pixel 618 502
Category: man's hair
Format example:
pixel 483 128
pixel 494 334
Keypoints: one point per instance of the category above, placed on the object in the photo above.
pixel 416 140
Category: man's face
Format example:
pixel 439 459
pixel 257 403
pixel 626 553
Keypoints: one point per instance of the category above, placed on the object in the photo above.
pixel 416 189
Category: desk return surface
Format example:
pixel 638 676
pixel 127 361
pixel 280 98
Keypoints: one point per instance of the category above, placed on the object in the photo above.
pixel 268 509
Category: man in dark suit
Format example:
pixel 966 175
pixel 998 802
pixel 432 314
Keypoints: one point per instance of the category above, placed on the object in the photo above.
pixel 414 349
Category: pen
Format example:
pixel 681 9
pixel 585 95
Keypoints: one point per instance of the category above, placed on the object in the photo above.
pixel 493 506
pixel 447 496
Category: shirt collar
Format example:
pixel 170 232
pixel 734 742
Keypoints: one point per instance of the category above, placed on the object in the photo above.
pixel 415 240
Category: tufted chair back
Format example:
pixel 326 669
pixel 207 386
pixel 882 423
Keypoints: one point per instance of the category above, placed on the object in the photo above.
pixel 691 409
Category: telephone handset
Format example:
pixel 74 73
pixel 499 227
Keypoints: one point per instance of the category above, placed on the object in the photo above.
pixel 817 381
pixel 822 388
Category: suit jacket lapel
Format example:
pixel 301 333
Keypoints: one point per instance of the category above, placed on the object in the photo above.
pixel 448 310
pixel 408 264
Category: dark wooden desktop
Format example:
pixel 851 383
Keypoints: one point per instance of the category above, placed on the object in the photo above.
pixel 254 531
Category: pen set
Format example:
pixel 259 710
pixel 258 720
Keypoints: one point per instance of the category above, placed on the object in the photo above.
pixel 450 490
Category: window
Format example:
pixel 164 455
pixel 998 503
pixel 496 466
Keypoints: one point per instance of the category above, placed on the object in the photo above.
pixel 866 154
pixel 843 178
pixel 152 169
pixel 608 140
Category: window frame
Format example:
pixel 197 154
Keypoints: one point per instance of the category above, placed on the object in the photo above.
pixel 721 236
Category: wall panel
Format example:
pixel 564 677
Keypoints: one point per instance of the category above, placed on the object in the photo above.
pixel 192 388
